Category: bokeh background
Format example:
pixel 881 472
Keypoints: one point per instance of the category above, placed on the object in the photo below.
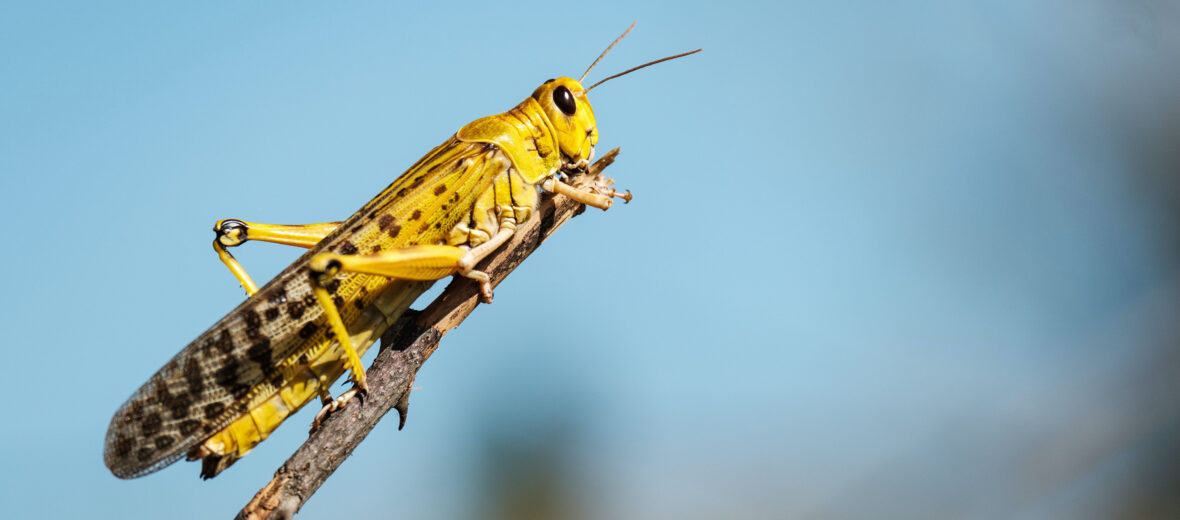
pixel 912 259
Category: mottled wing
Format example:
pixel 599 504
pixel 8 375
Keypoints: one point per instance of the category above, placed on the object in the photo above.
pixel 219 376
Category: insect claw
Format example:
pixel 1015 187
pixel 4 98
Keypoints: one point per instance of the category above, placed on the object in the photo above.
pixel 319 418
pixel 336 404
pixel 485 292
pixel 480 277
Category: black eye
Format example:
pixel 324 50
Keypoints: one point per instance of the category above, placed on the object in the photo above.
pixel 564 100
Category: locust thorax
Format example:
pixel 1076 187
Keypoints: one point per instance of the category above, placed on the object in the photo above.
pixel 565 105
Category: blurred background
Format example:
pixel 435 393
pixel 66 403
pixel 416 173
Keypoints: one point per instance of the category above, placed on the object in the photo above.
pixel 885 260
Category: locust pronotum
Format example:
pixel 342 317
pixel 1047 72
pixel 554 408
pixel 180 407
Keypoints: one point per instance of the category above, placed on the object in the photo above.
pixel 292 338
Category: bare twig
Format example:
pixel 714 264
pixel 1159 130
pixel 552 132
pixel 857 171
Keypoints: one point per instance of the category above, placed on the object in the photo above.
pixel 404 348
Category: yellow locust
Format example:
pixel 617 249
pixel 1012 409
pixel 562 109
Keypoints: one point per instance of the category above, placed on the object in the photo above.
pixel 293 337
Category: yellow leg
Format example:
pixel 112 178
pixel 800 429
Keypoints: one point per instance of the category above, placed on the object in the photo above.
pixel 232 233
pixel 236 268
pixel 341 332
pixel 424 262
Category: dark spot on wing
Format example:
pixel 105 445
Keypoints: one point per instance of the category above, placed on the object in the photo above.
pixel 253 323
pixel 227 375
pixel 332 286
pixel 135 414
pixel 438 190
pixel 308 329
pixel 417 214
pixel 144 454
pixel 189 426
pixel 151 425
pixel 260 353
pixel 192 376
pixel 213 410
pixel 394 230
pixel 240 390
pixel 272 314
pixel 123 445
pixel 338 301
pixel 348 248
pixel 179 405
pixel 164 441
pixel 385 221
pixel 360 305
pixel 295 309
pixel 224 342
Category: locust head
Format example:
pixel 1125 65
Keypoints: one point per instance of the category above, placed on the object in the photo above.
pixel 565 105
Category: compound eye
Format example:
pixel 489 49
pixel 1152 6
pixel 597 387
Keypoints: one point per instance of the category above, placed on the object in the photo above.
pixel 564 100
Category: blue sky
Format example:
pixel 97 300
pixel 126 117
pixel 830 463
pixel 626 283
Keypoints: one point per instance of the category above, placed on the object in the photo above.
pixel 912 259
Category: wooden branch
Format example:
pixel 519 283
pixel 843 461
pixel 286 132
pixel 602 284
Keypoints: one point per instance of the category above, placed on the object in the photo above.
pixel 404 348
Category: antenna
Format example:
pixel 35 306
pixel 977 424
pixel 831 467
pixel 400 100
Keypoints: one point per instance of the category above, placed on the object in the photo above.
pixel 633 69
pixel 608 48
